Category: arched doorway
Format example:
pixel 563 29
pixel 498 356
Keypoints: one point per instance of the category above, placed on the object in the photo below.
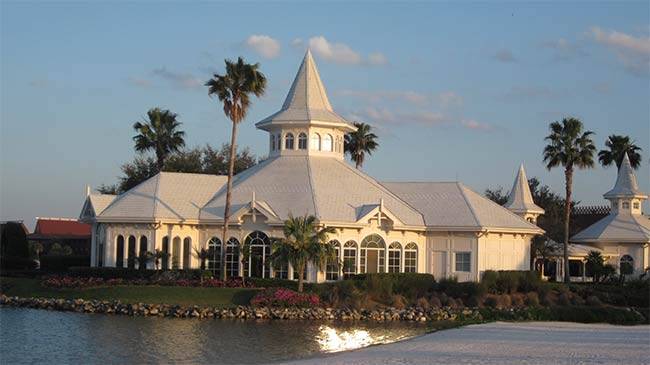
pixel 165 251
pixel 373 256
pixel 119 254
pixel 260 249
pixel 176 253
pixel 187 252
pixel 142 252
pixel 131 257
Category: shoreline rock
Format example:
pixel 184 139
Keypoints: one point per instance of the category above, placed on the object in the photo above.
pixel 412 314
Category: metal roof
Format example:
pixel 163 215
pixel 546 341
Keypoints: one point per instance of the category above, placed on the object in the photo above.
pixel 520 199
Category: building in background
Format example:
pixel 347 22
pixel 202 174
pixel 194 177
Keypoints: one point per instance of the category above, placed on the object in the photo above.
pixel 62 236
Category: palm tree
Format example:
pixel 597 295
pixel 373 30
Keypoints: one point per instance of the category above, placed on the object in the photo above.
pixel 360 142
pixel 143 259
pixel 159 255
pixel 303 242
pixel 569 146
pixel 203 255
pixel 617 146
pixel 159 133
pixel 234 90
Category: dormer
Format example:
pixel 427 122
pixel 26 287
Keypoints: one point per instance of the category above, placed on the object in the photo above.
pixel 306 124
pixel 625 196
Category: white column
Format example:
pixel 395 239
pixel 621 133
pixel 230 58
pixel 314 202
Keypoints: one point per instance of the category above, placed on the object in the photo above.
pixel 93 245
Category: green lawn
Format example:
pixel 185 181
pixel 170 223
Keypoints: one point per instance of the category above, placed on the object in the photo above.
pixel 215 297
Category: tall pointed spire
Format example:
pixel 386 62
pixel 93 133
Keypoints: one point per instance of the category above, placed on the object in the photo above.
pixel 626 185
pixel 520 200
pixel 306 102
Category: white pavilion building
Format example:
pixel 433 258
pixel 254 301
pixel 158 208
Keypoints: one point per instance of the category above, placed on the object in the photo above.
pixel 442 228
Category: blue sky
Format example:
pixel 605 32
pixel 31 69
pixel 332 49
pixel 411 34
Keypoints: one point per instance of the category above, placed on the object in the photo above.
pixel 460 91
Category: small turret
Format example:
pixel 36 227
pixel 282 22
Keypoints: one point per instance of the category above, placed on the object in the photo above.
pixel 625 196
pixel 520 200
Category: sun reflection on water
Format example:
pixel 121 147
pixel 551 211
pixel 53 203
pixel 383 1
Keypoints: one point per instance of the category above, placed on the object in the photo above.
pixel 331 340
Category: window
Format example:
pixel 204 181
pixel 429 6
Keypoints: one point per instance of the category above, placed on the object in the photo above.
pixel 281 272
pixel 349 259
pixel 131 257
pixel 372 254
pixel 627 265
pixel 635 205
pixel 302 141
pixel 295 274
pixel 176 253
pixel 288 141
pixel 142 253
pixel 463 261
pixel 314 145
pixel 214 256
pixel 327 143
pixel 119 254
pixel 187 252
pixel 394 257
pixel 260 249
pixel 626 205
pixel 411 257
pixel 165 250
pixel 232 258
pixel 272 142
pixel 332 270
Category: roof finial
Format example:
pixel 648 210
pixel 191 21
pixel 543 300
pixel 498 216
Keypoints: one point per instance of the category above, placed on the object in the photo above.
pixel 87 190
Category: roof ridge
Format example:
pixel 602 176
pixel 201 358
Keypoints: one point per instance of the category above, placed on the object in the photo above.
pixel 311 186
pixel 506 210
pixel 471 208
pixel 156 200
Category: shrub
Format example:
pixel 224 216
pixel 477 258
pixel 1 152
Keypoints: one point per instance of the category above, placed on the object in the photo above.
pixel 410 285
pixel 423 303
pixel 532 299
pixel 399 302
pixel 489 281
pixel 282 297
pixel 63 263
pixel 463 290
pixel 379 287
pixel 491 300
pixel 505 301
pixel 16 263
pixel 518 299
pixel 564 299
pixel 593 301
pixel 277 283
pixel 507 282
pixel 435 302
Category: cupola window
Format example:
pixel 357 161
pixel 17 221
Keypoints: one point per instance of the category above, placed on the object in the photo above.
pixel 626 205
pixel 327 143
pixel 288 141
pixel 635 205
pixel 302 141
pixel 273 142
pixel 315 142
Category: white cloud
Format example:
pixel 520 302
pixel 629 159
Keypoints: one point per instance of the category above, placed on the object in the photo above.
pixel 264 45
pixel 505 55
pixel 633 52
pixel 177 79
pixel 339 53
pixel 564 49
pixel 334 52
pixel 475 125
pixel 444 99
pixel 377 59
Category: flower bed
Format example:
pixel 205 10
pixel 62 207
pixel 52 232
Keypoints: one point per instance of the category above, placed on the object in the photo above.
pixel 282 297
pixel 62 282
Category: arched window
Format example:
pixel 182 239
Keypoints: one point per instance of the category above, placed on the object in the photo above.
pixel 142 253
pixel 349 259
pixel 132 253
pixel 119 251
pixel 333 269
pixel 372 256
pixel 302 141
pixel 176 253
pixel 232 257
pixel 314 144
pixel 187 252
pixel 394 257
pixel 411 257
pixel 327 143
pixel 627 265
pixel 165 251
pixel 260 249
pixel 214 259
pixel 272 142
pixel 288 141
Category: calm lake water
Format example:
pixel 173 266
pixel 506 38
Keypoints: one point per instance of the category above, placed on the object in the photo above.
pixel 30 336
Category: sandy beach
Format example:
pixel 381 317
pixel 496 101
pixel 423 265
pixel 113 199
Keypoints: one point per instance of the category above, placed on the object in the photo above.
pixel 510 343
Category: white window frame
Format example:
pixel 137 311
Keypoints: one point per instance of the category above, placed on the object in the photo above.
pixel 463 262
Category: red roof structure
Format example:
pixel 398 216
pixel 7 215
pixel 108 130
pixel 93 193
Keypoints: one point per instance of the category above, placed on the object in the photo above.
pixel 60 228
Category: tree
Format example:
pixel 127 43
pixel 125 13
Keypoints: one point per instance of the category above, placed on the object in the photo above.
pixel 497 195
pixel 203 255
pixel 234 90
pixel 108 189
pixel 303 242
pixel 159 255
pixel 617 146
pixel 595 265
pixel 144 258
pixel 359 143
pixel 141 169
pixel 159 133
pixel 571 147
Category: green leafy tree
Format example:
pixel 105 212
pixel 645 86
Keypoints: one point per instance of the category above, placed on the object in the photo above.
pixel 360 142
pixel 234 89
pixel 595 265
pixel 569 146
pixel 303 242
pixel 159 133
pixel 617 147
pixel 108 189
pixel 203 254
pixel 133 173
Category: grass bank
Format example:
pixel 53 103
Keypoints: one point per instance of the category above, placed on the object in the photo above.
pixel 213 297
